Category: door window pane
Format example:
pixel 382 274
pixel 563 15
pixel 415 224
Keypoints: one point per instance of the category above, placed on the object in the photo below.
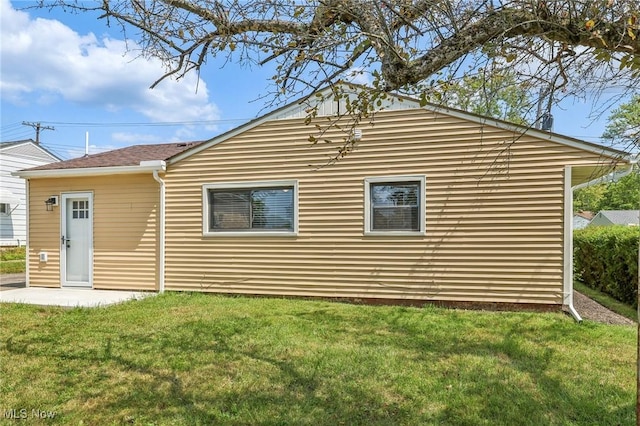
pixel 80 209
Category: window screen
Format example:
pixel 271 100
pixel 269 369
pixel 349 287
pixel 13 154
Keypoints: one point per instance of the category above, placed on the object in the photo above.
pixel 260 209
pixel 395 206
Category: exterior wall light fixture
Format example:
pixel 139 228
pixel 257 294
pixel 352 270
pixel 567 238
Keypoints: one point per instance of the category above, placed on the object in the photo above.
pixel 50 202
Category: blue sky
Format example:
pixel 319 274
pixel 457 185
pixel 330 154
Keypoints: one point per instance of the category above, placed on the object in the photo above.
pixel 75 74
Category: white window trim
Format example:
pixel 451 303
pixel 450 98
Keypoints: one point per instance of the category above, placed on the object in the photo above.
pixel 253 185
pixel 401 178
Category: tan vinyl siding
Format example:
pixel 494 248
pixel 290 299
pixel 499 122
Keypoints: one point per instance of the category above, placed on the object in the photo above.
pixel 494 214
pixel 124 230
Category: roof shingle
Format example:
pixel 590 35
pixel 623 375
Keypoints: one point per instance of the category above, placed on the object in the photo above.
pixel 621 217
pixel 128 156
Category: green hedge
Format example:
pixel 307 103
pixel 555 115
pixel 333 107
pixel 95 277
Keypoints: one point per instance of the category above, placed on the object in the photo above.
pixel 606 259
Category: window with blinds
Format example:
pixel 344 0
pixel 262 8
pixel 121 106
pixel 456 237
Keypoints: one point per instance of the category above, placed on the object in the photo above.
pixel 394 204
pixel 244 209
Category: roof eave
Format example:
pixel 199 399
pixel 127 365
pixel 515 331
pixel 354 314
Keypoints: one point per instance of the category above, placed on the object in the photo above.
pixel 538 134
pixel 11 145
pixel 143 167
pixel 619 156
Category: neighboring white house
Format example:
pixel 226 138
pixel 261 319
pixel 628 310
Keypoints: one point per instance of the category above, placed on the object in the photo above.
pixel 581 219
pixel 616 217
pixel 15 156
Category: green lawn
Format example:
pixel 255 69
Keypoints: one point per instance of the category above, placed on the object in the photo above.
pixel 12 260
pixel 198 359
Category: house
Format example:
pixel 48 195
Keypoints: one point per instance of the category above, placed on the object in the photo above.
pixel 581 219
pixel 616 217
pixel 16 156
pixel 433 205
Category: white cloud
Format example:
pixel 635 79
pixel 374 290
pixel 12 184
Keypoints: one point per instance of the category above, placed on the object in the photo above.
pixel 136 138
pixel 182 133
pixel 44 60
pixel 93 149
pixel 358 75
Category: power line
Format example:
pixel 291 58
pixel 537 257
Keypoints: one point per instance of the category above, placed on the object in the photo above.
pixel 16 134
pixel 13 130
pixel 38 127
pixel 12 126
pixel 143 124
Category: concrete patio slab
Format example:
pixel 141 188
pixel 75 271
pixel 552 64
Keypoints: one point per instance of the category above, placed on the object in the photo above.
pixel 8 281
pixel 69 298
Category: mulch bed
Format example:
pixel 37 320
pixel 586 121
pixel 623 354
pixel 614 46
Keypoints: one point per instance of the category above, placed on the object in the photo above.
pixel 592 310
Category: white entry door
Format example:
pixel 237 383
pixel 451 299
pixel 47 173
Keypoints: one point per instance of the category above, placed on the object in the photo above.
pixel 76 241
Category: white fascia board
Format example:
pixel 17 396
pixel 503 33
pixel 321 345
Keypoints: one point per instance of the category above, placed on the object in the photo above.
pixel 539 134
pixel 231 133
pixel 8 147
pixel 53 157
pixel 144 167
pixel 243 128
pixel 511 127
pixel 215 141
pixel 44 151
pixel 614 176
pixel 514 128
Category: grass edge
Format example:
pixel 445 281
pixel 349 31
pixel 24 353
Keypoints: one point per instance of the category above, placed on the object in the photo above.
pixel 607 301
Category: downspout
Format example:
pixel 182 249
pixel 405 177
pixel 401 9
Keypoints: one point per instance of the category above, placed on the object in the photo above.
pixel 27 213
pixel 568 245
pixel 161 232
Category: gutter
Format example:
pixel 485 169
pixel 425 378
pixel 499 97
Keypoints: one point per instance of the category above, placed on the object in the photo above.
pixel 611 177
pixel 153 166
pixel 143 167
pixel 161 236
pixel 27 213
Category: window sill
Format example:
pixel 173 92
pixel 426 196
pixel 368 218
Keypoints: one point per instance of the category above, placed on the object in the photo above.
pixel 394 233
pixel 250 234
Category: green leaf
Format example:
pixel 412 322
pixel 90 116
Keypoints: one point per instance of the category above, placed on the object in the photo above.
pixel 298 11
pixel 423 99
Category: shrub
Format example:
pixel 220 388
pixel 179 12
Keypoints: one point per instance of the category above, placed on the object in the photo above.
pixel 606 259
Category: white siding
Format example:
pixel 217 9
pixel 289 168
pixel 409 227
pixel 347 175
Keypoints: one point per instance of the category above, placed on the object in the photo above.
pixel 13 228
pixel 329 107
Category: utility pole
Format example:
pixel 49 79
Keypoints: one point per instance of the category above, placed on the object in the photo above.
pixel 38 127
pixel 544 120
pixel 541 95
